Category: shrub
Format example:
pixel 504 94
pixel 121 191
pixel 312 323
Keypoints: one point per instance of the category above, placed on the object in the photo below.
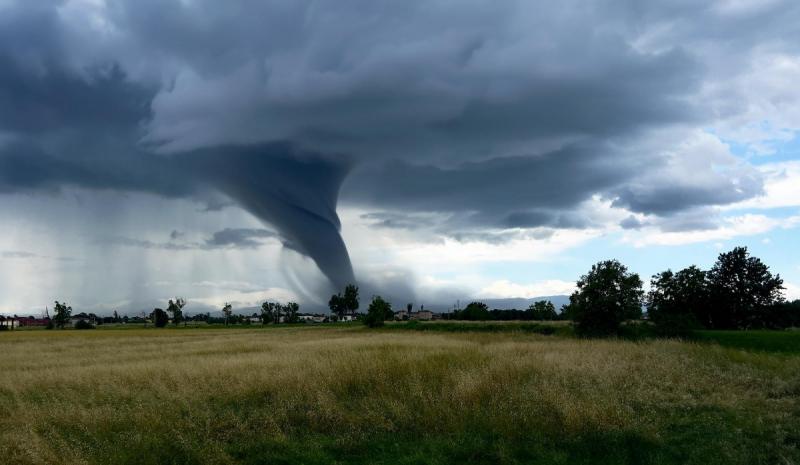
pixel 160 318
pixel 83 324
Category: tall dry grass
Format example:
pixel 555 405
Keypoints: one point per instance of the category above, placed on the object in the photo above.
pixel 353 395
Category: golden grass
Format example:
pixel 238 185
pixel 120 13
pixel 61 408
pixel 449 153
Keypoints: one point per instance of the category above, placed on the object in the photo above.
pixel 199 396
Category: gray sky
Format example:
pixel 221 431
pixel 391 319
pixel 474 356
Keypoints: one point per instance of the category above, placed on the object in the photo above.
pixel 431 150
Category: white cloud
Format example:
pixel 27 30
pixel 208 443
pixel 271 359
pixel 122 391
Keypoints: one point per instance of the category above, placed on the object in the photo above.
pixel 792 291
pixel 508 289
pixel 731 227
pixel 781 187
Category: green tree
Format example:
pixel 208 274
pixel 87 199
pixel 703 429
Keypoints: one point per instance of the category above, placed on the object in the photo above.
pixel 290 311
pixel 379 311
pixel 175 307
pixel 351 299
pixel 606 296
pixel 227 309
pixel 475 311
pixel 62 314
pixel 268 312
pixel 160 318
pixel 337 306
pixel 677 302
pixel 542 310
pixel 741 291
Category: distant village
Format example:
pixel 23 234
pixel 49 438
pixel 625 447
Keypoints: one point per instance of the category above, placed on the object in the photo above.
pixel 82 318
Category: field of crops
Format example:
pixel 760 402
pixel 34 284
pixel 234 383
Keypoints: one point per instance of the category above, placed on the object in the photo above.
pixel 352 395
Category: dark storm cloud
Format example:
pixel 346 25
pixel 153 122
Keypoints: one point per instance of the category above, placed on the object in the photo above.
pixel 513 192
pixel 396 220
pixel 240 238
pixel 632 222
pixel 494 114
pixel 667 199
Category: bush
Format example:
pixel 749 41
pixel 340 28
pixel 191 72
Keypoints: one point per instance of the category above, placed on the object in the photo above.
pixel 160 318
pixel 82 324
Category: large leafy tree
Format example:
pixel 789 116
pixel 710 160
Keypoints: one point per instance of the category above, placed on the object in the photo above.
pixel 678 302
pixel 741 290
pixel 336 304
pixel 62 313
pixel 379 311
pixel 606 296
pixel 475 311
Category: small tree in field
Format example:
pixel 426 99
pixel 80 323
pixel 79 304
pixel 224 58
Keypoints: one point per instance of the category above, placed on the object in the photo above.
pixel 175 308
pixel 379 311
pixel 160 318
pixel 290 311
pixel 268 312
pixel 337 306
pixel 62 314
pixel 351 299
pixel 227 310
pixel 606 296
pixel 347 304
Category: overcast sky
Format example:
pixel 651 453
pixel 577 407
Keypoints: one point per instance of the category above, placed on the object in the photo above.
pixel 430 150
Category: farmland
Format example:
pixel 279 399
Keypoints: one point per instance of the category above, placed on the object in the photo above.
pixel 347 394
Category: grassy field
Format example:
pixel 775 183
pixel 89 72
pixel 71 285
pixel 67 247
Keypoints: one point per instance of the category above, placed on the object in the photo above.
pixel 351 395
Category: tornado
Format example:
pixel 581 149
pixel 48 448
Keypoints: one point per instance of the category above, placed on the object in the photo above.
pixel 294 191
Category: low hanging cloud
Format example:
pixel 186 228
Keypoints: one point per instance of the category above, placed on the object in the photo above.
pixel 228 238
pixel 495 115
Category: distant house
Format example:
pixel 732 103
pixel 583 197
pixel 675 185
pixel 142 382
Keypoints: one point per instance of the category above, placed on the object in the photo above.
pixel 422 315
pixel 90 318
pixel 402 315
pixel 31 321
pixel 254 319
pixel 311 318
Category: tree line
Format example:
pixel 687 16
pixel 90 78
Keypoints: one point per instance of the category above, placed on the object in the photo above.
pixel 738 292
